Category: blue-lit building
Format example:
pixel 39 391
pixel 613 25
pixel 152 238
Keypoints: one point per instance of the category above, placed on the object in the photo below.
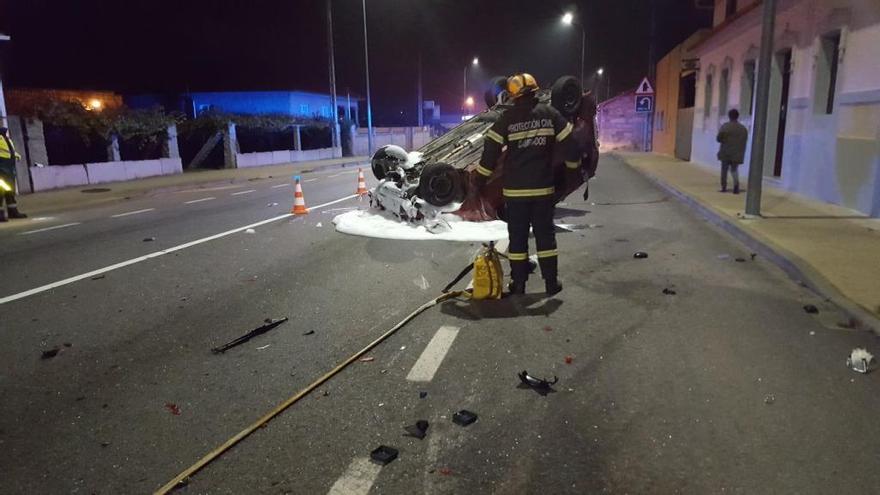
pixel 296 103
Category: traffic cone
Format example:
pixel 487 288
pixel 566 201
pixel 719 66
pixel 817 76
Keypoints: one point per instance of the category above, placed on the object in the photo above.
pixel 362 183
pixel 299 202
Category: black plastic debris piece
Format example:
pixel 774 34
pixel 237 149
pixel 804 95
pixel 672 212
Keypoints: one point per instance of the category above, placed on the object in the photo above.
pixel 49 354
pixel 149 239
pixel 640 255
pixel 464 417
pixel 422 395
pixel 99 277
pixel 811 309
pixel 740 260
pixel 753 256
pixel 310 332
pixel 539 385
pixel 269 325
pixel 383 454
pixel 669 292
pixel 418 430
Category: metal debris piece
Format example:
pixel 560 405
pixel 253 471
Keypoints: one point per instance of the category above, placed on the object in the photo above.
pixel 811 309
pixel 540 385
pixel 464 417
pixel 269 325
pixel 640 255
pixel 669 292
pixel 383 455
pixel 861 360
pixel 418 430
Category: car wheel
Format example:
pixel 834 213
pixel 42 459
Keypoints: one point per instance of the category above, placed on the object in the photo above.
pixel 566 95
pixel 496 86
pixel 441 184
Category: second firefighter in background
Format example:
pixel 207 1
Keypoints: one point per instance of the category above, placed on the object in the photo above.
pixel 531 133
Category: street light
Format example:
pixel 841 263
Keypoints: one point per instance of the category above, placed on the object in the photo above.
pixel 600 71
pixel 568 20
pixel 469 102
pixel 475 62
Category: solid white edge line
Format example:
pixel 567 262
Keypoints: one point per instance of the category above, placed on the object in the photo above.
pixel 429 362
pixel 209 198
pixel 29 232
pixel 155 254
pixel 135 212
pixel 357 479
pixel 242 192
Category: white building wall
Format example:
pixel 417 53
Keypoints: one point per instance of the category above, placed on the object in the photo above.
pixel 833 158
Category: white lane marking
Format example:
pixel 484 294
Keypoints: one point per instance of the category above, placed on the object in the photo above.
pixel 209 198
pixel 310 180
pixel 206 189
pixel 357 479
pixel 280 185
pixel 135 212
pixel 29 232
pixel 99 271
pixel 432 356
pixel 242 192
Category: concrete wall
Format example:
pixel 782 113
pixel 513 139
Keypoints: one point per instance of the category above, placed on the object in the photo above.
pixel 264 158
pixel 409 138
pixel 668 90
pixel 620 127
pixel 55 177
pixel 830 157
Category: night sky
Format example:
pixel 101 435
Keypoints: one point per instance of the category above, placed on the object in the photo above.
pixel 136 46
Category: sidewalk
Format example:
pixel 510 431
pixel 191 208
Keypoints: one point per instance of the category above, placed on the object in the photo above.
pixel 86 196
pixel 834 250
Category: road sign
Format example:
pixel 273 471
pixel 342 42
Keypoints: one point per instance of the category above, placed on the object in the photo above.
pixel 644 103
pixel 645 88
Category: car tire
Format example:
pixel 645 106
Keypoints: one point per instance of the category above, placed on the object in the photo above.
pixel 566 95
pixel 496 86
pixel 441 184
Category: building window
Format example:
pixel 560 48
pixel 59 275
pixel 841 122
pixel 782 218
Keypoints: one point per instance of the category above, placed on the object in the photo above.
pixel 729 8
pixel 723 89
pixel 826 72
pixel 304 109
pixel 707 103
pixel 748 88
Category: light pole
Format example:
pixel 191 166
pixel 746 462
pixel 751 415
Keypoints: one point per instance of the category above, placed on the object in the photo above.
pixel 3 120
pixel 568 20
pixel 596 87
pixel 475 62
pixel 762 97
pixel 334 130
pixel 367 74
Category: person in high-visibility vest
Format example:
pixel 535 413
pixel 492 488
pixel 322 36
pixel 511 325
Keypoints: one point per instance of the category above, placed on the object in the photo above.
pixel 7 176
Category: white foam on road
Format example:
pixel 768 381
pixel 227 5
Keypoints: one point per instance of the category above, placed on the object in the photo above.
pixel 374 223
pixel 357 479
pixel 431 358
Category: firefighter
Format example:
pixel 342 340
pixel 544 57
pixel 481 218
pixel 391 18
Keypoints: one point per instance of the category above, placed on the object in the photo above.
pixel 530 132
pixel 7 176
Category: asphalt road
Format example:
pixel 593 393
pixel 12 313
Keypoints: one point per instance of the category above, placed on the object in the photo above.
pixel 725 386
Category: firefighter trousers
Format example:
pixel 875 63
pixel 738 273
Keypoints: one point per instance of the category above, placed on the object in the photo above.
pixel 8 196
pixel 537 214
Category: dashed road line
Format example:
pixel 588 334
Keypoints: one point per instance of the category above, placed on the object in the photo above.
pixel 239 193
pixel 357 479
pixel 431 358
pixel 54 227
pixel 156 254
pixel 276 186
pixel 313 180
pixel 209 198
pixel 135 212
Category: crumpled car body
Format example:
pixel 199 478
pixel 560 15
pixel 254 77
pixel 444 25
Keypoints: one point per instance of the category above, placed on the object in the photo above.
pixel 420 186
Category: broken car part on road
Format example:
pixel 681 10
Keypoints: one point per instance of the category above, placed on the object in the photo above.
pixel 270 324
pixel 539 384
pixel 861 360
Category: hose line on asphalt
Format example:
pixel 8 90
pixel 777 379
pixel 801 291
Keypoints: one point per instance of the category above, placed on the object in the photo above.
pixel 214 454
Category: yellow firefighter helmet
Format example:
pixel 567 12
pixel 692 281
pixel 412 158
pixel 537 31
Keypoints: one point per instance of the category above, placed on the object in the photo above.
pixel 521 84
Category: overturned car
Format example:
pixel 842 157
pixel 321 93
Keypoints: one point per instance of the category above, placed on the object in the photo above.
pixel 421 185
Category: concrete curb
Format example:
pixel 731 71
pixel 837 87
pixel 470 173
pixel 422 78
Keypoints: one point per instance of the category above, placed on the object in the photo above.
pixel 794 266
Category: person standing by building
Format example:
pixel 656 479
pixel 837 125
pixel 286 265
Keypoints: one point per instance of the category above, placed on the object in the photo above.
pixel 530 131
pixel 7 176
pixel 733 137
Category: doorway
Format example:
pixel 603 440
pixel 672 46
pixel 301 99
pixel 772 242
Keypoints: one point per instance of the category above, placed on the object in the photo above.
pixel 784 64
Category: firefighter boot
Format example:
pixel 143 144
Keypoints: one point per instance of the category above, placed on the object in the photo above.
pixel 2 214
pixel 14 213
pixel 516 288
pixel 552 286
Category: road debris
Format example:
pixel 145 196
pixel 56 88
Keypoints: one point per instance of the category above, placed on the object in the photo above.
pixel 99 277
pixel 422 395
pixel 265 346
pixel 723 257
pixel 250 231
pixel 422 283
pixel 368 359
pixel 769 399
pixel 640 255
pixel 811 309
pixel 464 417
pixel 418 430
pixel 269 325
pixel 49 354
pixel 319 224
pixel 444 471
pixel 149 239
pixel 740 260
pixel 669 292
pixel 269 205
pixel 172 408
pixel 753 255
pixel 383 455
pixel 310 332
pixel 539 385
pixel 861 360
pixel 548 328
pixel 568 359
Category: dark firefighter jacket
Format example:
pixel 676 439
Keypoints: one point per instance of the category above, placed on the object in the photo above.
pixel 530 132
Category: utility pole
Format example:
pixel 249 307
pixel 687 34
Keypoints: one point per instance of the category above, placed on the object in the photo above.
pixel 367 73
pixel 334 116
pixel 421 103
pixel 762 101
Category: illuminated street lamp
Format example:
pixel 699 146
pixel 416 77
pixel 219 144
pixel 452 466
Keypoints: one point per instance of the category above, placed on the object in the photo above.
pixel 600 71
pixel 475 62
pixel 568 20
pixel 469 102
pixel 94 104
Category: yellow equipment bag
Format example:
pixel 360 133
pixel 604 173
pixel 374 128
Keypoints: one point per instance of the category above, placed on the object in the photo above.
pixel 488 274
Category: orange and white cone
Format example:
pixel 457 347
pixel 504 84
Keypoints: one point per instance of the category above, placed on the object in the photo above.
pixel 299 202
pixel 362 183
